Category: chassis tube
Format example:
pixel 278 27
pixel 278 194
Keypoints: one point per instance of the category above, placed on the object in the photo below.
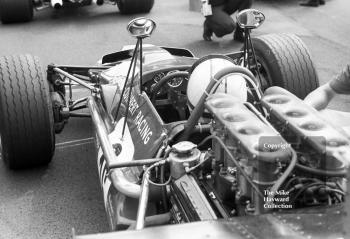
pixel 135 163
pixel 141 212
pixel 119 181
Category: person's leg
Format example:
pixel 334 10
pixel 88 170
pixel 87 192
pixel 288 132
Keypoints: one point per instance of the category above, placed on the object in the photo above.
pixel 219 22
pixel 237 5
pixel 245 4
pixel 207 31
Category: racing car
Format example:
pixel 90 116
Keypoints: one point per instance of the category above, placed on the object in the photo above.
pixel 22 10
pixel 220 146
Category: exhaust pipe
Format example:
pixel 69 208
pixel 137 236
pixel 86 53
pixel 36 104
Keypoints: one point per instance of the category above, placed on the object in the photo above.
pixel 57 4
pixel 119 180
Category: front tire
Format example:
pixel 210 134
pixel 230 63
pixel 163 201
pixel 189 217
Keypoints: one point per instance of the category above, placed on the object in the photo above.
pixel 135 6
pixel 26 119
pixel 286 62
pixel 16 11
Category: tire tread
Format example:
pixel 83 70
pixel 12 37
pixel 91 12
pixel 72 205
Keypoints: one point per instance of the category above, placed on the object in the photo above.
pixel 135 6
pixel 25 111
pixel 293 61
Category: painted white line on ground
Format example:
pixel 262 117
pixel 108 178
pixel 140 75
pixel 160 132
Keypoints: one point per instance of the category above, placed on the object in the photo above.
pixel 89 140
pixel 74 145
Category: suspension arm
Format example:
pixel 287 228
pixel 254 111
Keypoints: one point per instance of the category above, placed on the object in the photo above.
pixel 77 80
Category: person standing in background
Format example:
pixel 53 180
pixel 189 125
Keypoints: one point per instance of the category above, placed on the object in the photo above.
pixel 218 18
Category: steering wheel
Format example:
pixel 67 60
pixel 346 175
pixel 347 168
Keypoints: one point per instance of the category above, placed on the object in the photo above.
pixel 166 79
pixel 177 99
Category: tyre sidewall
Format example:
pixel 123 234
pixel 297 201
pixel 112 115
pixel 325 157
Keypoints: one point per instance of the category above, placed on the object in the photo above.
pixel 268 60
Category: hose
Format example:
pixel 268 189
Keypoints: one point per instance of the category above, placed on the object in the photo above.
pixel 148 170
pixel 199 108
pixel 306 187
pixel 320 172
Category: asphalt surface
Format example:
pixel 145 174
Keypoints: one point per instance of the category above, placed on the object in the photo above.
pixel 48 202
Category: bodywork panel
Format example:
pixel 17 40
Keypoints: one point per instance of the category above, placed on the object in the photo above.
pixel 144 123
pixel 314 223
pixel 126 54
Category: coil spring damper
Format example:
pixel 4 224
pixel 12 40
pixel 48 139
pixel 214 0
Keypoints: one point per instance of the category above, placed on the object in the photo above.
pixel 183 155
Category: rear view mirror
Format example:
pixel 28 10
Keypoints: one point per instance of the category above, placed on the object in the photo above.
pixel 141 27
pixel 250 19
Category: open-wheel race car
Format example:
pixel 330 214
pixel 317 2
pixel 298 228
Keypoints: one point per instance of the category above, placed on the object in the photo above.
pixel 23 10
pixel 222 145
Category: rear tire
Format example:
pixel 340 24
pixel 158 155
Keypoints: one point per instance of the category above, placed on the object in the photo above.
pixel 16 10
pixel 135 6
pixel 26 119
pixel 286 62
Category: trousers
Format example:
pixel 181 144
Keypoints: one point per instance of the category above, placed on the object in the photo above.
pixel 221 22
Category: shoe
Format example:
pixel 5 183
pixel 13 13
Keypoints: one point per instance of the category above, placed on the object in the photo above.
pixel 239 34
pixel 310 3
pixel 322 2
pixel 207 33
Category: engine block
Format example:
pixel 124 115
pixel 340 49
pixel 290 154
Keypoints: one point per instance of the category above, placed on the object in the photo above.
pixel 308 125
pixel 250 140
pixel 246 128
